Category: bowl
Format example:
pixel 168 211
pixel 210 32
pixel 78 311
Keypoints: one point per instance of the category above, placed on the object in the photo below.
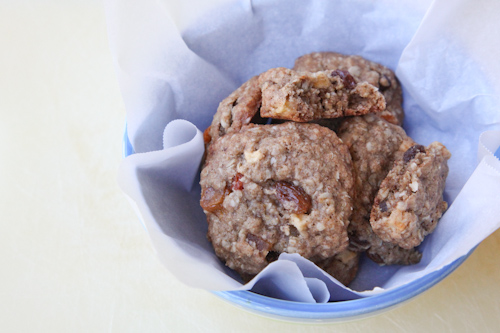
pixel 327 312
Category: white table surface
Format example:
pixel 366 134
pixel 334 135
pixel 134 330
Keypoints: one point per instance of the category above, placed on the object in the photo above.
pixel 74 256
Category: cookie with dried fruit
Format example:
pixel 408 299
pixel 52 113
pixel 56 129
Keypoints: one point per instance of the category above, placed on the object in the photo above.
pixel 302 97
pixel 374 144
pixel 362 70
pixel 269 189
pixel 410 201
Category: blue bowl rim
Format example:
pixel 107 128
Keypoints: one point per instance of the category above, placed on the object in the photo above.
pixel 350 309
pixel 338 310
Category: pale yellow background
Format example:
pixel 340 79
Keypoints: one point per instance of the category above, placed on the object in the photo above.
pixel 74 257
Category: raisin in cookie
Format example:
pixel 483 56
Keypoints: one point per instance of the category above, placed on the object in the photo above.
pixel 374 144
pixel 362 70
pixel 302 97
pixel 238 109
pixel 269 189
pixel 410 202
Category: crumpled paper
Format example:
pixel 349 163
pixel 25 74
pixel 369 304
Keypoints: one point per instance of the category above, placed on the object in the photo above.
pixel 443 54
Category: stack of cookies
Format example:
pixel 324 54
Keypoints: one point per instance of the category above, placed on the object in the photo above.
pixel 313 160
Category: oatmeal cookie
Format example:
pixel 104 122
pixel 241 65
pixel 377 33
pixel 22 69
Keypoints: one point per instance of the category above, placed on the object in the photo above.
pixel 269 189
pixel 238 109
pixel 410 201
pixel 374 144
pixel 302 97
pixel 362 70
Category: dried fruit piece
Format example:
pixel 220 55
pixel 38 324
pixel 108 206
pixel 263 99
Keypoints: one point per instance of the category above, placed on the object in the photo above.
pixel 412 152
pixel 293 197
pixel 206 135
pixel 212 199
pixel 348 79
pixel 237 184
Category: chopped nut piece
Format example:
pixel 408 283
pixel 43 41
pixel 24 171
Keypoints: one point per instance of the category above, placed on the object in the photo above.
pixel 253 156
pixel 299 221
